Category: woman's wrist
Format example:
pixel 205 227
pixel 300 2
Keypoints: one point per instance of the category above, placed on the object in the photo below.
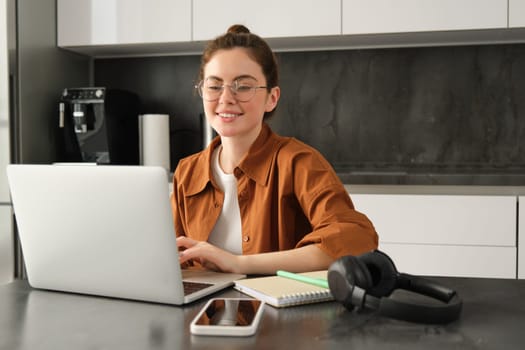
pixel 241 264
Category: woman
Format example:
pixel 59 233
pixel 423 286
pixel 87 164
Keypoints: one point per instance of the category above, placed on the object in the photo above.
pixel 254 202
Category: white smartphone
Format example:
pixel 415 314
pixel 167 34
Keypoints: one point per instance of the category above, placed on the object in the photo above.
pixel 228 317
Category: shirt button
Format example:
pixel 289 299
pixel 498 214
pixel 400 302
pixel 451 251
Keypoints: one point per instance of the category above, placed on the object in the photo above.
pixel 245 238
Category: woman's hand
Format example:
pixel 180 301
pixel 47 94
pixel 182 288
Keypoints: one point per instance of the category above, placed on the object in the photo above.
pixel 208 255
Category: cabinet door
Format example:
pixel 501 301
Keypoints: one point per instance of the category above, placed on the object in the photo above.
pixel 472 236
pixel 110 22
pixel 453 260
pixel 516 13
pixel 442 219
pixel 270 18
pixel 387 16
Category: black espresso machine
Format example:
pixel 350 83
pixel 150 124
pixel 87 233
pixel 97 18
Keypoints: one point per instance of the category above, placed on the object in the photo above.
pixel 99 125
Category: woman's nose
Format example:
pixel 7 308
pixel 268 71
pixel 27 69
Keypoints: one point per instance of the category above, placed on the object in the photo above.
pixel 227 95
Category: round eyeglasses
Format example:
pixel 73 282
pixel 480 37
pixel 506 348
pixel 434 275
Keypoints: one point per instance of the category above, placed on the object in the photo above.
pixel 242 89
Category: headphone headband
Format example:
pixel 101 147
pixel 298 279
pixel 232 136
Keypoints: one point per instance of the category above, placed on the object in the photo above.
pixel 425 287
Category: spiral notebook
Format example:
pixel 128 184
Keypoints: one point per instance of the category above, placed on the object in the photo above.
pixel 283 292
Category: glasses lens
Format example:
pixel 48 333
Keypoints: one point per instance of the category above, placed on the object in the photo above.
pixel 210 89
pixel 244 89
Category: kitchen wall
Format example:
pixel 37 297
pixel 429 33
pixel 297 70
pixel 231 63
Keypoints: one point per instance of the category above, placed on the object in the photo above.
pixel 450 115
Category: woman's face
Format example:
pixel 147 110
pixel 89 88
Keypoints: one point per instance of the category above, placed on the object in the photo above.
pixel 227 115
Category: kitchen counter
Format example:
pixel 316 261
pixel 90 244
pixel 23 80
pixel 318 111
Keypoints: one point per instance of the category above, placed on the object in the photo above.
pixel 467 181
pixel 435 189
pixel 421 177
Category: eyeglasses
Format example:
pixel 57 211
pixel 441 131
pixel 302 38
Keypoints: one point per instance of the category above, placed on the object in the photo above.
pixel 243 89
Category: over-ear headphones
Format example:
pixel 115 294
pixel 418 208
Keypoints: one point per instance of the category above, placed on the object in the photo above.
pixel 366 281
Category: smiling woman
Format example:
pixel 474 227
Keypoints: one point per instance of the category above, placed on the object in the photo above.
pixel 254 202
pixel 226 113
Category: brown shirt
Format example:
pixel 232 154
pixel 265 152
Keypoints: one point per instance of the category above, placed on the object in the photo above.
pixel 289 196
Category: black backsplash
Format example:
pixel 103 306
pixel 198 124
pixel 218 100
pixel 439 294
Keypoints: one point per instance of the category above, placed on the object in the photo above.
pixel 435 115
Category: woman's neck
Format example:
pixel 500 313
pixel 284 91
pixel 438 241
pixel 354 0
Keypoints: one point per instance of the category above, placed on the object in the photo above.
pixel 234 149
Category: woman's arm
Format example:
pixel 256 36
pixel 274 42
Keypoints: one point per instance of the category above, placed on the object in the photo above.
pixel 303 259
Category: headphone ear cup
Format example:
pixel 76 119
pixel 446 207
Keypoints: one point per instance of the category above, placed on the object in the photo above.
pixel 382 271
pixel 344 275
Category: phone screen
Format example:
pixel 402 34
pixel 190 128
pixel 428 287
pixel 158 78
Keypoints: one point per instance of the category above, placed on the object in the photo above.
pixel 234 312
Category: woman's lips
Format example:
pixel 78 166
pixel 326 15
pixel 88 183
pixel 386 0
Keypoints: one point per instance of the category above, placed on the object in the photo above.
pixel 229 115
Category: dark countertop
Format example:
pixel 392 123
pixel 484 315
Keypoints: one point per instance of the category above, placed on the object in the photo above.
pixel 493 318
pixel 436 190
pixel 453 174
pixel 429 177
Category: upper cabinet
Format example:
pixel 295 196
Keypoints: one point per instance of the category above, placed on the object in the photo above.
pixel 401 16
pixel 135 27
pixel 110 22
pixel 269 19
pixel 516 13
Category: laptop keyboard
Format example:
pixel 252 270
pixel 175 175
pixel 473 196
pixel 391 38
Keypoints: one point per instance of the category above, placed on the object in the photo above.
pixel 192 287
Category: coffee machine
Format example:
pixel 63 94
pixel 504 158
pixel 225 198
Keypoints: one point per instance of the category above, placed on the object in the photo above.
pixel 99 125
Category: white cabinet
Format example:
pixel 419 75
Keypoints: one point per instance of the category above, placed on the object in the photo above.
pixel 387 16
pixel 112 22
pixel 137 27
pixel 448 235
pixel 521 237
pixel 516 13
pixel 269 19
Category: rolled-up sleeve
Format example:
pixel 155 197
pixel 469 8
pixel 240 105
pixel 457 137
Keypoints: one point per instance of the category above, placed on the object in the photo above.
pixel 337 228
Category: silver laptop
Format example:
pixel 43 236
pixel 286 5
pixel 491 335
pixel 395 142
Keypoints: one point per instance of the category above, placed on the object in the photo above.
pixel 103 230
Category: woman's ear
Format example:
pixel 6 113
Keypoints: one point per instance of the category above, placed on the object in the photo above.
pixel 273 98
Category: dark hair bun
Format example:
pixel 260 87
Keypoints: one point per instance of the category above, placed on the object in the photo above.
pixel 238 29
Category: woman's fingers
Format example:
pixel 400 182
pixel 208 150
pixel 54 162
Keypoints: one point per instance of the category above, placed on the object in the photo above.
pixel 206 254
pixel 185 242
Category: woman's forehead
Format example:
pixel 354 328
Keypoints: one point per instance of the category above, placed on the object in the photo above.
pixel 233 63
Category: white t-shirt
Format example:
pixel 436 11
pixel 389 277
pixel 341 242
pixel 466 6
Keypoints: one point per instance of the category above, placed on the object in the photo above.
pixel 227 233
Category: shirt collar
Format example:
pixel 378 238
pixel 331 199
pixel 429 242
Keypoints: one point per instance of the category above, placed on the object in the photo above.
pixel 256 165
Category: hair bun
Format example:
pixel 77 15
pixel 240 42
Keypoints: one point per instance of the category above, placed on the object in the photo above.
pixel 238 29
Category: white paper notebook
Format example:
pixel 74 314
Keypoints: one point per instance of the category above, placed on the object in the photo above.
pixel 283 292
